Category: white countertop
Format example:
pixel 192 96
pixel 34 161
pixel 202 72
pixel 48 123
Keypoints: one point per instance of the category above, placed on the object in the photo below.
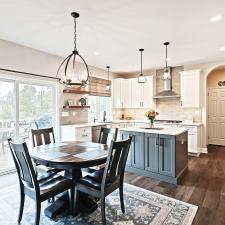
pixel 166 130
pixel 129 121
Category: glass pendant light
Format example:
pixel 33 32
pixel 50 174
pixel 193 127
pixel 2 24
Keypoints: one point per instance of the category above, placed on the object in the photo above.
pixel 166 70
pixel 141 78
pixel 108 85
pixel 71 73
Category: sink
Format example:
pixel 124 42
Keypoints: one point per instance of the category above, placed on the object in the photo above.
pixel 152 128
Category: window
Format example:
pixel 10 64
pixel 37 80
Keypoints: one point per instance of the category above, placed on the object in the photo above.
pixel 98 105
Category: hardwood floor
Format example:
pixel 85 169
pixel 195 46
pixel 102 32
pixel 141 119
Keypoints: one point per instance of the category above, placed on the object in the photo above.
pixel 203 185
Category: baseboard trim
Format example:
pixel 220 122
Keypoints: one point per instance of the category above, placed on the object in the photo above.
pixel 203 150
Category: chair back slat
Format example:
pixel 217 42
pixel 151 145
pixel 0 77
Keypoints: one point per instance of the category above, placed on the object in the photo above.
pixel 43 136
pixel 107 135
pixel 116 160
pixel 23 163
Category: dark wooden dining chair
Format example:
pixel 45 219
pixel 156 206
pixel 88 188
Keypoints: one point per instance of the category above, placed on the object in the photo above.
pixel 103 182
pixel 37 189
pixel 105 134
pixel 43 137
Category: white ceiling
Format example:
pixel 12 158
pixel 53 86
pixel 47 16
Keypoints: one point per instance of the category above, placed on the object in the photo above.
pixel 118 28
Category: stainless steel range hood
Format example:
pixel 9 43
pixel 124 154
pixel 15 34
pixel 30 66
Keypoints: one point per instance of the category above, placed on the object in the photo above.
pixel 167 91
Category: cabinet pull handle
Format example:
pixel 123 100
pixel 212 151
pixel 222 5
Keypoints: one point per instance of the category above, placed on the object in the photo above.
pixel 157 141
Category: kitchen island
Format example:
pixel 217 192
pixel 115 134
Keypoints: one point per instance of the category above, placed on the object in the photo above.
pixel 160 153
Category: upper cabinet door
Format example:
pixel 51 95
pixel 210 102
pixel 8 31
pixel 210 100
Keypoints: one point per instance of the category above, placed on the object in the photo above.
pixel 117 93
pixel 148 87
pixel 137 93
pixel 126 93
pixel 190 89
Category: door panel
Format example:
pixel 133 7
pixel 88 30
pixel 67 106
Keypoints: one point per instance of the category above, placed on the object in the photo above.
pixel 151 152
pixel 167 155
pixel 137 149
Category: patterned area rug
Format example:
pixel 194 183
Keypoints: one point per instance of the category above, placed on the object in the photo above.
pixel 142 207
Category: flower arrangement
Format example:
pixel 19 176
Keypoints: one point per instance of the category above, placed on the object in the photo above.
pixel 151 114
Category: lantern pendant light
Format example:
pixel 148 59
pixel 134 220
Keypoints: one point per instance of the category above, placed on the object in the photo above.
pixel 69 72
pixel 166 70
pixel 141 78
pixel 108 88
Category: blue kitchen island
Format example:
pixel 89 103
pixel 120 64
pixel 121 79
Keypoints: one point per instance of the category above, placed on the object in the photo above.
pixel 160 153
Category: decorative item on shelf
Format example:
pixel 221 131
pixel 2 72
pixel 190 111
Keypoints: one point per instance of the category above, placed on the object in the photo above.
pixel 70 102
pixel 151 114
pixel 141 77
pixel 69 73
pixel 108 88
pixel 82 101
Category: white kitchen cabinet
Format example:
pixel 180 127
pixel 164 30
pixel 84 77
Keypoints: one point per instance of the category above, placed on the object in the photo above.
pixel 126 90
pixel 190 89
pixel 122 93
pixel 71 133
pixel 142 93
pixel 194 139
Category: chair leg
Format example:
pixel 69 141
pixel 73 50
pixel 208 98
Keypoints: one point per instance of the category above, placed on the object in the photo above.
pixel 22 198
pixel 121 199
pixel 103 210
pixel 38 212
pixel 76 201
pixel 72 199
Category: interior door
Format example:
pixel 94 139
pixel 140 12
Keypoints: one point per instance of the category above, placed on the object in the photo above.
pixel 216 116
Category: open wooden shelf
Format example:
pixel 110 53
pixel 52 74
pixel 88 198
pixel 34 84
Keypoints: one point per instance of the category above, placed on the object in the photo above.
pixel 76 107
pixel 76 91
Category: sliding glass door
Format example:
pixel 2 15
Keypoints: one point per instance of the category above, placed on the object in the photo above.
pixel 36 108
pixel 23 106
pixel 7 123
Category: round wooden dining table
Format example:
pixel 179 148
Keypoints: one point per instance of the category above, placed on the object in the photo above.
pixel 71 157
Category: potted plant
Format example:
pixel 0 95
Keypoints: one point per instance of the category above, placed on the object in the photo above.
pixel 151 114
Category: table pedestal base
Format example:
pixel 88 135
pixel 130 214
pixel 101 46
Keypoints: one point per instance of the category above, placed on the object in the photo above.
pixel 85 205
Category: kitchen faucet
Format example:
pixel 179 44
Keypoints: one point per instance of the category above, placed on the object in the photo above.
pixel 104 116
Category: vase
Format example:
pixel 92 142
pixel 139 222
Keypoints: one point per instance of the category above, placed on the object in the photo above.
pixel 151 123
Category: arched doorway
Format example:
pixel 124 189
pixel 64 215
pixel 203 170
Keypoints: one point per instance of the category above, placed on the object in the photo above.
pixel 216 106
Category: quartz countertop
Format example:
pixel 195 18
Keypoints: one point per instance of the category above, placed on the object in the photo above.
pixel 166 130
pixel 129 121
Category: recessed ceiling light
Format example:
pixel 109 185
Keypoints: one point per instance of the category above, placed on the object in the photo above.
pixel 96 53
pixel 216 18
pixel 168 59
pixel 222 49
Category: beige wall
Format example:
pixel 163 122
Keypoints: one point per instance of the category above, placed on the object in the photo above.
pixel 25 59
pixel 215 76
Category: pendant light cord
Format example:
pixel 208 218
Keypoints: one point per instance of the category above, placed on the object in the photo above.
pixel 141 62
pixel 75 34
pixel 166 59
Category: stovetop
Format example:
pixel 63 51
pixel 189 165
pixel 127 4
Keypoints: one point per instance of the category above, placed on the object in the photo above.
pixel 169 121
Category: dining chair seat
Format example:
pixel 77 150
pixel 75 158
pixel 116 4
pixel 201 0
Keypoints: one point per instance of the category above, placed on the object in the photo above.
pixel 53 183
pixel 94 180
